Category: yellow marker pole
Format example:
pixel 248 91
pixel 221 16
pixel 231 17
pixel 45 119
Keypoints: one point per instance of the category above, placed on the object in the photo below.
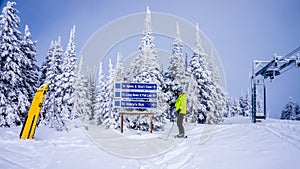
pixel 29 126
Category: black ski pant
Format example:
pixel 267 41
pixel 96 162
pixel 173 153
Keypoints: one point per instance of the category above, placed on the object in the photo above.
pixel 179 123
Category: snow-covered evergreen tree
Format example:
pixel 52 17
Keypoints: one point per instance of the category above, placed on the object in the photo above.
pixel 54 92
pixel 168 89
pixel 176 76
pixel 100 95
pixel 248 107
pixel 52 106
pixel 119 69
pixel 91 85
pixel 236 109
pixel 110 117
pixel 148 54
pixel 202 74
pixel 217 92
pixel 228 107
pixel 232 107
pixel 193 101
pixel 176 66
pixel 42 79
pixel 240 106
pixel 80 94
pixel 14 91
pixel 65 81
pixel 245 104
pixel 30 69
pixel 68 77
pixel 291 111
pixel 119 76
pixel 45 65
pixel 297 112
pixel 146 69
pixel 105 113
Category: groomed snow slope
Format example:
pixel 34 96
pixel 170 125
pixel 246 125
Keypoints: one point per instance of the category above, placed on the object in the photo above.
pixel 237 143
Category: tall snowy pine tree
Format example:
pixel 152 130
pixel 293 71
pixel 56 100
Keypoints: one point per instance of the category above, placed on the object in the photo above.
pixel 146 69
pixel 119 69
pixel 202 74
pixel 53 100
pixel 30 69
pixel 291 111
pixel 14 91
pixel 118 76
pixel 176 66
pixel 217 93
pixel 91 85
pixel 193 101
pixel 245 104
pixel 177 76
pixel 45 65
pixel 110 117
pixel 80 94
pixel 65 82
pixel 100 96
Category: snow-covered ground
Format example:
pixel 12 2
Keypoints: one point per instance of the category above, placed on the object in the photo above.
pixel 237 143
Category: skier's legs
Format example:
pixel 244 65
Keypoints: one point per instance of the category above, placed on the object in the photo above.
pixel 179 123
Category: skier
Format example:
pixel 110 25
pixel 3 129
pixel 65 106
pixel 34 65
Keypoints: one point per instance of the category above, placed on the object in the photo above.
pixel 180 106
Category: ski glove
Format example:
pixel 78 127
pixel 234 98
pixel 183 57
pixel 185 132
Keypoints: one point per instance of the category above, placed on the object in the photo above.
pixel 178 111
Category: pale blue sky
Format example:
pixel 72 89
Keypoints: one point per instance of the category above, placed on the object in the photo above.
pixel 240 30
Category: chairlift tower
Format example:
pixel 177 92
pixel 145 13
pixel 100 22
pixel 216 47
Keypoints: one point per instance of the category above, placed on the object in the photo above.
pixel 261 70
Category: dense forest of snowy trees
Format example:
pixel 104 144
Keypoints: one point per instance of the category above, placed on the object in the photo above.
pixel 72 94
pixel 240 106
pixel 291 111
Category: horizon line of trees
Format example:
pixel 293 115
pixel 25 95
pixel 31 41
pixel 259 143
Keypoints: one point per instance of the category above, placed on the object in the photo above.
pixel 241 106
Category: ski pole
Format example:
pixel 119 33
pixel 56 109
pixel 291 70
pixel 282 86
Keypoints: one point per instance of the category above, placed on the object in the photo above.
pixel 170 131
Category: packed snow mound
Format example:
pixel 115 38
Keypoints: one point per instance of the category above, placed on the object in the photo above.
pixel 237 143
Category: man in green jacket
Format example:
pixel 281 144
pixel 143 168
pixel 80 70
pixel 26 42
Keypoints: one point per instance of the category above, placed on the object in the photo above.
pixel 180 106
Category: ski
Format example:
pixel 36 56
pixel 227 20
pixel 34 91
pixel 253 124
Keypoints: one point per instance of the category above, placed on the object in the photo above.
pixel 30 124
pixel 181 137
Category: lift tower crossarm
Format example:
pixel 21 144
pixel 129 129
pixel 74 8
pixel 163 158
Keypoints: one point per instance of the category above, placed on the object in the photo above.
pixel 280 63
pixel 265 68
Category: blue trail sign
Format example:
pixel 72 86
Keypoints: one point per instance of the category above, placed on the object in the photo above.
pixel 136 95
pixel 135 104
pixel 133 95
pixel 137 86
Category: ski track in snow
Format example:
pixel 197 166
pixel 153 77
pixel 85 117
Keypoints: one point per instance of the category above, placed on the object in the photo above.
pixel 18 155
pixel 167 157
pixel 12 165
pixel 181 163
pixel 182 153
pixel 284 131
pixel 173 159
